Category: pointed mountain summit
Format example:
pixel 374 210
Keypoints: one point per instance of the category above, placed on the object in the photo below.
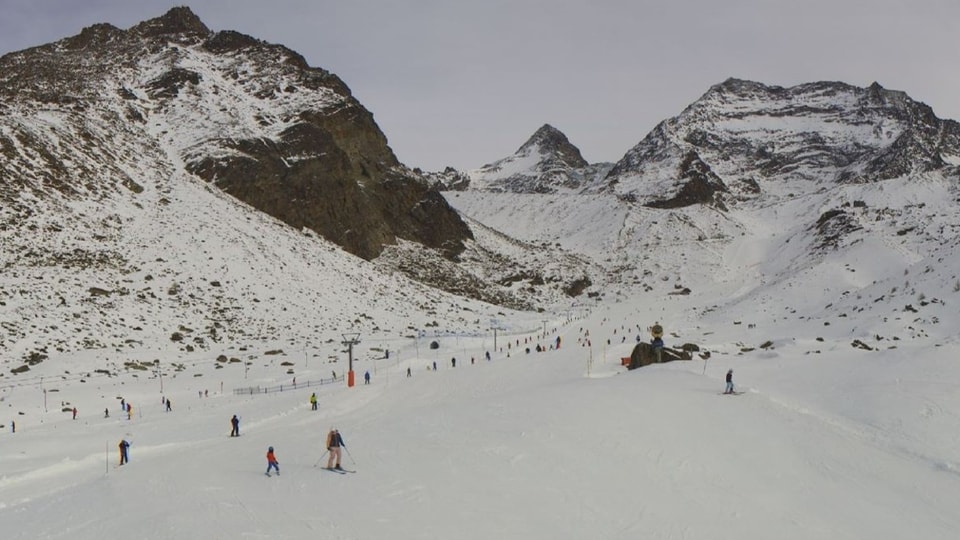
pixel 550 142
pixel 547 163
pixel 744 139
pixel 178 20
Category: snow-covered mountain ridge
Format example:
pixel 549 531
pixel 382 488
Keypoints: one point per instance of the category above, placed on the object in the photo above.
pixel 752 141
pixel 736 136
pixel 98 176
pixel 753 190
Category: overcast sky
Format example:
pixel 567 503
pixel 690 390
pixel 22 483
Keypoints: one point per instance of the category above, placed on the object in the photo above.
pixel 466 82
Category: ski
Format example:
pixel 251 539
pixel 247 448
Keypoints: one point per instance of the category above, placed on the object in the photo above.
pixel 339 471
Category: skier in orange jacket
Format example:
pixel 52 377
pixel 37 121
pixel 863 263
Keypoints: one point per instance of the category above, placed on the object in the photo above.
pixel 272 462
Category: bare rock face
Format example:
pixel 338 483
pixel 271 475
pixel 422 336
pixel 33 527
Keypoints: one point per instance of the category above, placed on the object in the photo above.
pixel 335 174
pixel 249 117
pixel 698 185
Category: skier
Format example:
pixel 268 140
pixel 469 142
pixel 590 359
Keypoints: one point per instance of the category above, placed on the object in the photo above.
pixel 129 411
pixel 235 422
pixel 74 413
pixel 408 372
pixel 313 401
pixel 13 426
pixel 272 462
pixel 657 343
pixel 123 405
pixel 334 443
pixel 453 362
pixel 168 405
pixel 729 389
pixel 106 413
pixel 366 377
pixel 123 451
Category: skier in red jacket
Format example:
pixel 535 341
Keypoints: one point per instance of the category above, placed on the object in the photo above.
pixel 272 462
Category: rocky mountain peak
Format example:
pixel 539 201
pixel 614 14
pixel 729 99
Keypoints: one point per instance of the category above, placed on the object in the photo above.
pixel 179 20
pixel 734 85
pixel 551 142
pixel 548 162
pixel 94 36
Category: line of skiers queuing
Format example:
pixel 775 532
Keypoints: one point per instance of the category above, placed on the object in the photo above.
pixel 538 348
pixel 656 331
pixel 554 344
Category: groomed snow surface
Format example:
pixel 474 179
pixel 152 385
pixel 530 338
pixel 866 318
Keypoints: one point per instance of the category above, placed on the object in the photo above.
pixel 827 441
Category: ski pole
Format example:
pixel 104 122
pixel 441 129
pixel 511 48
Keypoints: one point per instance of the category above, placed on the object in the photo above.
pixel 351 457
pixel 321 458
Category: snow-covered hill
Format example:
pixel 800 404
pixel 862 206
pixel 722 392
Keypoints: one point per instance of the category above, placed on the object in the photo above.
pixel 189 267
pixel 827 440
